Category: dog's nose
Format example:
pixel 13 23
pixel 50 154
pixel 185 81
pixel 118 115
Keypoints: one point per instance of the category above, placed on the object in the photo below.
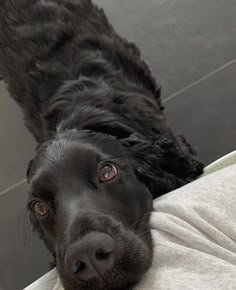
pixel 91 257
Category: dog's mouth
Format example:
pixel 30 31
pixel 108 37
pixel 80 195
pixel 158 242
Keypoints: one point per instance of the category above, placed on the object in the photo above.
pixel 115 259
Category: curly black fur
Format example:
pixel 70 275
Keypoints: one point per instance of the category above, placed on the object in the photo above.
pixel 68 69
pixel 63 66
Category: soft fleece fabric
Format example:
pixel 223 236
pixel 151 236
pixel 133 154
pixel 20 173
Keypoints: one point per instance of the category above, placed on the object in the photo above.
pixel 194 230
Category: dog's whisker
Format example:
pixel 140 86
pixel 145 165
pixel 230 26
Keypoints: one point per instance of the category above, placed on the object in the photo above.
pixel 139 235
pixel 24 232
pixel 137 221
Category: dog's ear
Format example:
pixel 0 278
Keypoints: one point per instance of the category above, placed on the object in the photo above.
pixel 162 164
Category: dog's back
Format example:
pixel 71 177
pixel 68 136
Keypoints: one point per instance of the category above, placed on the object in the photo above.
pixel 44 43
pixel 39 43
pixel 67 68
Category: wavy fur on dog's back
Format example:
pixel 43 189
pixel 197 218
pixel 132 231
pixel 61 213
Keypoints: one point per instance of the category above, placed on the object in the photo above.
pixel 43 43
pixel 67 68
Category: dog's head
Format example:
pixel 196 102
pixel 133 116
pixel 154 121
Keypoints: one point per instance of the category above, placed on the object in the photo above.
pixel 92 187
pixel 91 210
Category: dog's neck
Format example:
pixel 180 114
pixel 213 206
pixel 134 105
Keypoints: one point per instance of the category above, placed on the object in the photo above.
pixel 105 70
pixel 96 104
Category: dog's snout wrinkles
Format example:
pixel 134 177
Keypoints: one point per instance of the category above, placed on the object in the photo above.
pixel 91 257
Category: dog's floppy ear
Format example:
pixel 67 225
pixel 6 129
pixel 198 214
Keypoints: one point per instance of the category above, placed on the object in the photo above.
pixel 162 165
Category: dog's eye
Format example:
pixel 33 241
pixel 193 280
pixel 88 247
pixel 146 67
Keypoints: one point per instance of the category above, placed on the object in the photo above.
pixel 40 208
pixel 107 172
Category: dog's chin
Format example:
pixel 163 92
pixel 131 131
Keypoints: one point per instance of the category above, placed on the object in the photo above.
pixel 133 259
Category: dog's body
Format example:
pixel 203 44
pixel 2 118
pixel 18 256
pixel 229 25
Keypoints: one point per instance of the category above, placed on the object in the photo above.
pixel 80 86
pixel 74 42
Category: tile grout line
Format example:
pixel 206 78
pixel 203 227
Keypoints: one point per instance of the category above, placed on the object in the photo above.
pixel 207 76
pixel 12 187
pixel 199 81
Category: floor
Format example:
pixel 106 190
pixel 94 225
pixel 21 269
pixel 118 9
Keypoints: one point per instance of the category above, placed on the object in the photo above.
pixel 191 47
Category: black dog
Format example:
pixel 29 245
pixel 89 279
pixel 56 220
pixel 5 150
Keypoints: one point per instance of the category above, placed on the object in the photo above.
pixel 104 146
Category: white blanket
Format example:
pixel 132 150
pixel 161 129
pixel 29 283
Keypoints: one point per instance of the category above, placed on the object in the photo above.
pixel 194 232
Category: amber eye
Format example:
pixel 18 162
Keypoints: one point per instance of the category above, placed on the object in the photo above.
pixel 107 172
pixel 40 208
